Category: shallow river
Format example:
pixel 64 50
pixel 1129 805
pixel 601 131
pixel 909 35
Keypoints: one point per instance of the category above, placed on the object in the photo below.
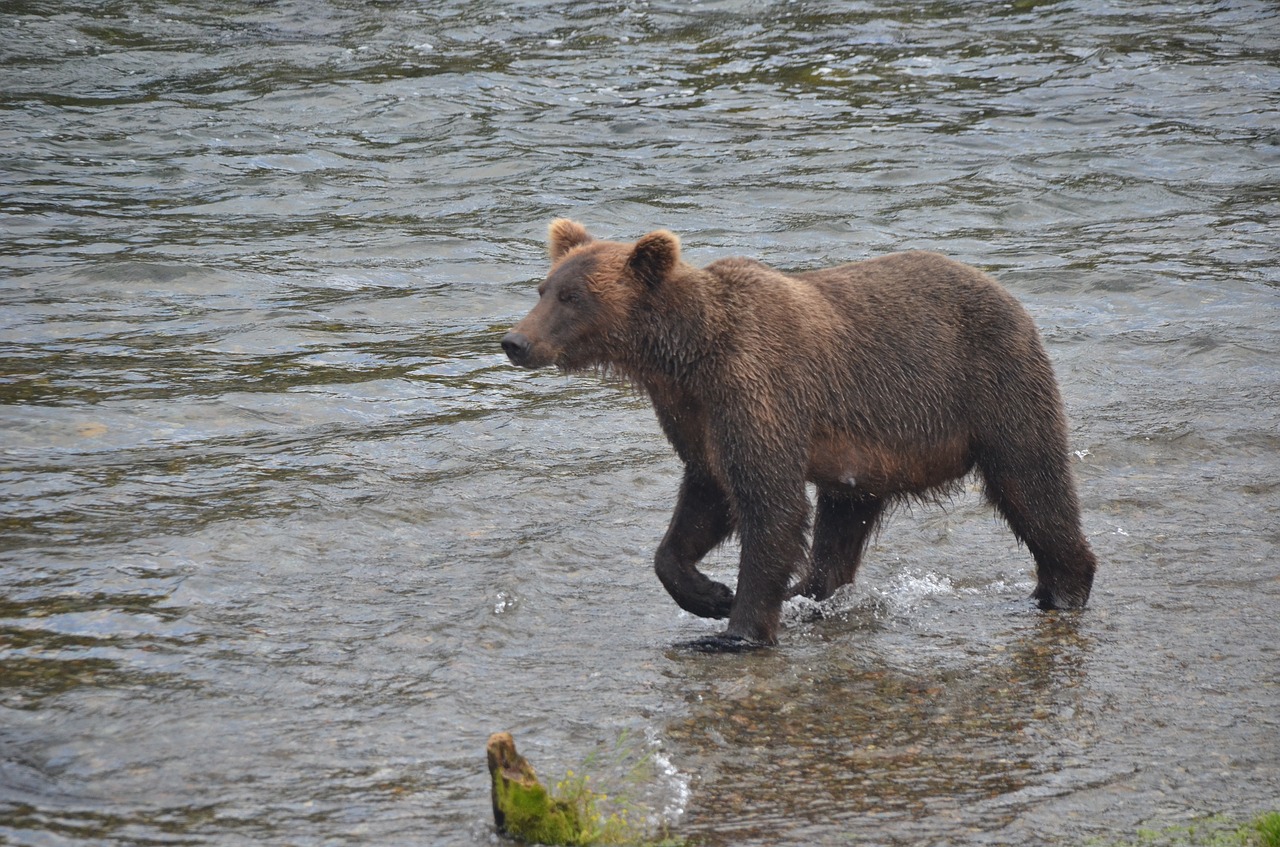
pixel 284 538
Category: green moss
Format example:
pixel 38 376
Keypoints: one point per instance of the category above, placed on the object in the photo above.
pixel 1215 831
pixel 532 816
pixel 568 816
pixel 1267 830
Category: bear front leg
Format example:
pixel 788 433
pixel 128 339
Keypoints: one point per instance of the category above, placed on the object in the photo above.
pixel 773 518
pixel 701 521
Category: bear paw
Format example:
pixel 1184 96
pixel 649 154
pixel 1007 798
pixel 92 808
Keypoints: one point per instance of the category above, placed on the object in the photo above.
pixel 712 600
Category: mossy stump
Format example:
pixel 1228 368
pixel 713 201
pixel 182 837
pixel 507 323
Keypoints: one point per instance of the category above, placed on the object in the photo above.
pixel 522 808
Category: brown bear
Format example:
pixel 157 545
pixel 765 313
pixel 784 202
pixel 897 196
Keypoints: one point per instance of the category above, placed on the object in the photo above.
pixel 875 381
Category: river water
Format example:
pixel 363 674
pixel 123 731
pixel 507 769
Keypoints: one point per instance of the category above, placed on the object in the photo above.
pixel 285 537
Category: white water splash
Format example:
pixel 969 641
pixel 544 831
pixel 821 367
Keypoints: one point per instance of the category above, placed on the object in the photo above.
pixel 902 594
pixel 505 602
pixel 909 587
pixel 673 785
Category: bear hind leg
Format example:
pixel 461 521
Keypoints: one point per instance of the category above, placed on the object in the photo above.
pixel 841 527
pixel 1039 503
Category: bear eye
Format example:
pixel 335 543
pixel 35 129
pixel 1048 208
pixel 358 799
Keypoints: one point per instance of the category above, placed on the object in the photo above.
pixel 569 296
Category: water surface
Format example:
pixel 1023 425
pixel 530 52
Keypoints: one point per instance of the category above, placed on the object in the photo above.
pixel 285 538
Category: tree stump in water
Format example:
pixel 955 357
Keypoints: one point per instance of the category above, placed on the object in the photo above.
pixel 522 808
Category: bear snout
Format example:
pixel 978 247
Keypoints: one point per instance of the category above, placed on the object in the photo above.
pixel 517 346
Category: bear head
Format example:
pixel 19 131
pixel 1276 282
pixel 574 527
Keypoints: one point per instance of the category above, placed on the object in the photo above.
pixel 585 315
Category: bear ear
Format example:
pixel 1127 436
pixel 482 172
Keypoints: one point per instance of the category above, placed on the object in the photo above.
pixel 654 256
pixel 566 235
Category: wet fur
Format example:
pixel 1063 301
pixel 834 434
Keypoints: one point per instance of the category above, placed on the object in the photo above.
pixel 876 381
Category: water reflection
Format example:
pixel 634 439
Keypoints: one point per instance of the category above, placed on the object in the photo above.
pixel 847 740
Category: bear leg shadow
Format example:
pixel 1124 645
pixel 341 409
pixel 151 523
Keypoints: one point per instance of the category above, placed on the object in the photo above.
pixel 721 642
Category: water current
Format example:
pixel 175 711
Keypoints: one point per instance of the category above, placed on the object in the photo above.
pixel 283 537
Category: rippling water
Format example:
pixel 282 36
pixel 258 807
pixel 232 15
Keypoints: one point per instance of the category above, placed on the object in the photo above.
pixel 284 538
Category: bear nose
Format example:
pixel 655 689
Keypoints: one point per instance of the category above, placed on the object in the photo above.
pixel 516 345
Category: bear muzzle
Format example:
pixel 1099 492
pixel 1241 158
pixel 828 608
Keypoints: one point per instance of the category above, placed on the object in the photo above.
pixel 519 349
